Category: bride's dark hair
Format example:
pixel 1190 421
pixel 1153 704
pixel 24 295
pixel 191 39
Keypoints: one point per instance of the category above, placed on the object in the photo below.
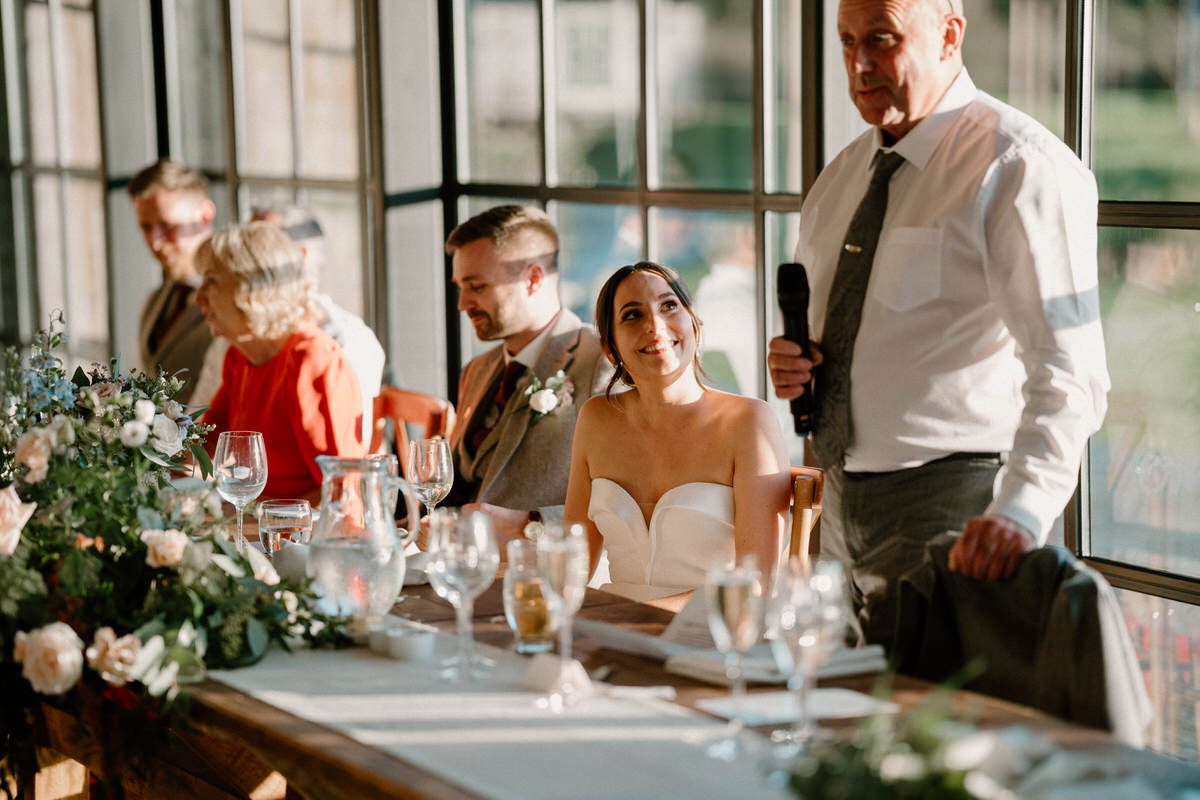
pixel 606 318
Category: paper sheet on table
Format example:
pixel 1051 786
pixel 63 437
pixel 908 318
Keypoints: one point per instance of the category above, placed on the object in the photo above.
pixel 773 708
pixel 708 666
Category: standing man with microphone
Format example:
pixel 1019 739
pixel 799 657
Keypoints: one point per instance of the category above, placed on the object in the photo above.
pixel 957 351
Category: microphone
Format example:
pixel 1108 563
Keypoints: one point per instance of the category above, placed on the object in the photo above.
pixel 791 287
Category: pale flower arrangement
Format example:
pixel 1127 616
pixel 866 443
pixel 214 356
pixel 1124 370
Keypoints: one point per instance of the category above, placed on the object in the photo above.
pixel 556 393
pixel 97 545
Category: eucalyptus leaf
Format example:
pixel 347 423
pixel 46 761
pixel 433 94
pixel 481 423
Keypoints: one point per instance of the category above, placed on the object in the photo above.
pixel 149 519
pixel 257 638
pixel 156 457
pixel 201 456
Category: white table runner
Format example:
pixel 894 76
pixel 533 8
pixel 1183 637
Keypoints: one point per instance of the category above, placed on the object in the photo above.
pixel 491 738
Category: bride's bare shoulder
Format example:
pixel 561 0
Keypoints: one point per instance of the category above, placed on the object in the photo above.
pixel 601 411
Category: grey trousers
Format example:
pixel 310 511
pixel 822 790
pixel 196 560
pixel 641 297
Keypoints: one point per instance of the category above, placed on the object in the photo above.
pixel 877 524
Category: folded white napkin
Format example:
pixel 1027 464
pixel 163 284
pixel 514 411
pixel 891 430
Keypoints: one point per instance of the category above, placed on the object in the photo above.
pixel 773 708
pixel 709 665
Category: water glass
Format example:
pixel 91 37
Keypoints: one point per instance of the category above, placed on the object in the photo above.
pixel 526 607
pixel 430 470
pixel 282 521
pixel 796 616
pixel 463 559
pixel 735 620
pixel 563 560
pixel 240 469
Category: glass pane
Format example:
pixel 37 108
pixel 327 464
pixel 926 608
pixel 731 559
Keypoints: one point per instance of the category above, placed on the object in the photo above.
pixel 81 127
pixel 412 130
pixel 417 298
pixel 134 270
pixel 714 253
pixel 784 125
pixel 266 127
pixel 38 73
pixel 127 83
pixel 342 275
pixel 1147 105
pixel 329 132
pixel 1145 462
pixel 83 298
pixel 1016 51
pixel 597 92
pixel 704 62
pixel 1164 638
pixel 593 241
pixel 200 41
pixel 503 99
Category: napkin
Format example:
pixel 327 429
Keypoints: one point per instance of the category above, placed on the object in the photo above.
pixel 772 708
pixel 709 665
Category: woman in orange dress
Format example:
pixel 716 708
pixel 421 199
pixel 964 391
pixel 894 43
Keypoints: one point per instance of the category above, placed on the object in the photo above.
pixel 282 376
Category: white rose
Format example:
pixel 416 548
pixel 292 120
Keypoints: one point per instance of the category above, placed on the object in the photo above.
pixel 112 657
pixel 143 411
pixel 13 516
pixel 165 548
pixel 33 450
pixel 106 390
pixel 174 410
pixel 543 401
pixel 53 657
pixel 167 438
pixel 63 433
pixel 134 433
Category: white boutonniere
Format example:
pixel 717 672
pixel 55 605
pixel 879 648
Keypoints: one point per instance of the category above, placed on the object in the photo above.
pixel 546 398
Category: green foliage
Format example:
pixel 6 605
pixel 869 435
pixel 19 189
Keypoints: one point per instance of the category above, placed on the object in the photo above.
pixel 135 565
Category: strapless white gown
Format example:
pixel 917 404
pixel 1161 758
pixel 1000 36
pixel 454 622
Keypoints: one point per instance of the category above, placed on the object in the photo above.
pixel 691 528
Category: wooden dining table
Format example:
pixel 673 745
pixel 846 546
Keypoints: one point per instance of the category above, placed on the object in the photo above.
pixel 241 747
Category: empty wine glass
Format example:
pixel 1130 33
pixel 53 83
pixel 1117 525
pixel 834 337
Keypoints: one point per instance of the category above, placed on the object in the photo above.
pixel 463 559
pixel 735 619
pixel 282 521
pixel 240 467
pixel 563 560
pixel 796 614
pixel 430 470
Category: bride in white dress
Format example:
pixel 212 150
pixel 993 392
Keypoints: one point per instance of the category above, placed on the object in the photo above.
pixel 672 477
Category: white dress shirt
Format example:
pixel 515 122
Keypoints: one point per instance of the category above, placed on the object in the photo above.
pixel 981 325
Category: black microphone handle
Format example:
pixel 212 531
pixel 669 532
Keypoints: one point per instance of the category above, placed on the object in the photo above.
pixel 795 329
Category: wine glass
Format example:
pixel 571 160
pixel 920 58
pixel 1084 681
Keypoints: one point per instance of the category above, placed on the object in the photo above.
pixel 430 470
pixel 463 559
pixel 735 620
pixel 563 560
pixel 796 614
pixel 282 521
pixel 240 465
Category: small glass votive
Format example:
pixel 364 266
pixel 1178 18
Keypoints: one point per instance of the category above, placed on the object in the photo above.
pixel 529 613
pixel 282 521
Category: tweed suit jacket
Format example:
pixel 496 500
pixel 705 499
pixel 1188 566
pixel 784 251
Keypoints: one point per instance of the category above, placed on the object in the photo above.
pixel 182 341
pixel 524 462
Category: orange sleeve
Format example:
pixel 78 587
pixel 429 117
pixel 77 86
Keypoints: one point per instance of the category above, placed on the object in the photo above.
pixel 327 413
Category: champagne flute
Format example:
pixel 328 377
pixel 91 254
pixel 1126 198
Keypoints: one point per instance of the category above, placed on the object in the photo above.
pixel 240 464
pixel 796 615
pixel 430 470
pixel 563 560
pixel 282 521
pixel 464 558
pixel 735 620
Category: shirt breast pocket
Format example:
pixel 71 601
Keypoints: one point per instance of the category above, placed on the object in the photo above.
pixel 908 268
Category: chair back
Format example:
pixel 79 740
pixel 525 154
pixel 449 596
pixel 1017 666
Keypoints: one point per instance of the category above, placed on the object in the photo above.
pixel 402 406
pixel 808 485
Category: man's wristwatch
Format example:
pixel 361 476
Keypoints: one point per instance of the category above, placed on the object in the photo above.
pixel 534 528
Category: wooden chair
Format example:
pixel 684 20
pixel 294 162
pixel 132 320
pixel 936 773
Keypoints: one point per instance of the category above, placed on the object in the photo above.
pixel 808 485
pixel 401 406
